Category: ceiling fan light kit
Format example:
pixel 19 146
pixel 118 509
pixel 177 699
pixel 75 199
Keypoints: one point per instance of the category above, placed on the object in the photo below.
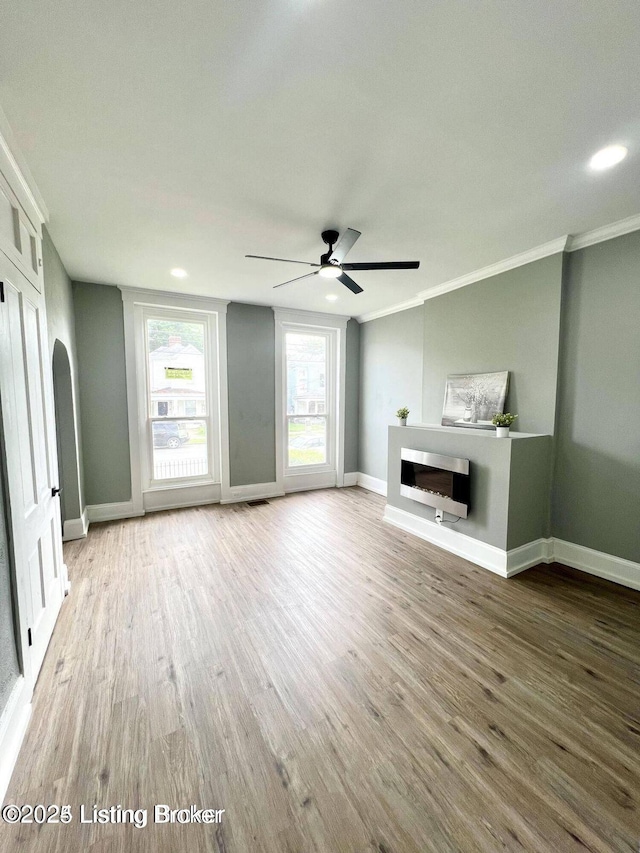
pixel 332 262
pixel 330 270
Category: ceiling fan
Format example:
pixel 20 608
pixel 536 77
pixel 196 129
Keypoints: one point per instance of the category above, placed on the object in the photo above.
pixel 332 262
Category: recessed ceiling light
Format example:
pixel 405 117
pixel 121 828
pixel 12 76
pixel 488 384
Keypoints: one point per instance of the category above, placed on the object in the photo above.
pixel 607 157
pixel 331 297
pixel 176 272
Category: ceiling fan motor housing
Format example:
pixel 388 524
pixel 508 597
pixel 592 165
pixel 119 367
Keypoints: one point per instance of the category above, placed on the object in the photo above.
pixel 330 237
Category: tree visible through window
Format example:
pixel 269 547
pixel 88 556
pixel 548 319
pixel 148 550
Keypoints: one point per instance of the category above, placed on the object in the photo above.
pixel 306 366
pixel 177 388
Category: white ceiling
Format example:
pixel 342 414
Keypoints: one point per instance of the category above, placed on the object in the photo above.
pixel 191 133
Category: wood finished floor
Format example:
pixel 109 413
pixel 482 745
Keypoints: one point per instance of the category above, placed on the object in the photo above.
pixel 334 684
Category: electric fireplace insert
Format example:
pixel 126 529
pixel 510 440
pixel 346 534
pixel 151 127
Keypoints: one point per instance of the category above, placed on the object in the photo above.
pixel 438 481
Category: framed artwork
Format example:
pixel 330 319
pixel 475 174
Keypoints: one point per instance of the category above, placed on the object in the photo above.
pixel 472 399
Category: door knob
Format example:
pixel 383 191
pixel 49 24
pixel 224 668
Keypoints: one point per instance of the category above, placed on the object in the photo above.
pixel 55 492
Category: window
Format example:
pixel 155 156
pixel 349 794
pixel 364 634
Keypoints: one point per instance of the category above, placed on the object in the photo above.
pixel 175 349
pixel 177 382
pixel 308 438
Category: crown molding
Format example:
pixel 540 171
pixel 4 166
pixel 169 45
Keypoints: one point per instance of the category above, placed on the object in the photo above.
pixel 519 260
pixel 606 232
pixel 24 185
pixel 392 309
pixel 168 298
pixel 568 243
pixel 311 318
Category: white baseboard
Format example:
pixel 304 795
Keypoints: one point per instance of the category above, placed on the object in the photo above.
pixel 597 563
pixel 181 497
pixel 510 563
pixel 372 484
pixel 110 512
pixel 350 479
pixel 531 554
pixel 308 481
pixel 480 553
pixel 14 720
pixel 253 492
pixel 76 528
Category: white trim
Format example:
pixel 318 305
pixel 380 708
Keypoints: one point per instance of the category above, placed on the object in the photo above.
pixel 503 563
pixel 372 484
pixel 480 553
pixel 14 162
pixel 306 481
pixel 14 720
pixel 253 492
pixel 531 554
pixel 597 563
pixel 311 318
pixel 392 309
pixel 178 497
pixel 553 247
pixel 279 402
pixel 606 232
pixel 509 563
pixel 335 326
pixel 135 302
pixel 222 384
pixel 76 528
pixel 350 479
pixel 112 511
pixel 131 373
pixel 569 243
pixel 340 401
pixel 544 251
pixel 169 299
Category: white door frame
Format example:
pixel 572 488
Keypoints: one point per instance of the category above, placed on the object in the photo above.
pixel 289 320
pixel 21 252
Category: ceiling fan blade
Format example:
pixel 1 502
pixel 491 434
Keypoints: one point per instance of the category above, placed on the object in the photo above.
pixel 284 260
pixel 344 244
pixel 308 275
pixel 386 265
pixel 350 283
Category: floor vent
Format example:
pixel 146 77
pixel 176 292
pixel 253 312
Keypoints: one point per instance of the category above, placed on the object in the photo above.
pixel 260 502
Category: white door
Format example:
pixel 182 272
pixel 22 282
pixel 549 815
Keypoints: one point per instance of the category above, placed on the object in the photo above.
pixel 27 414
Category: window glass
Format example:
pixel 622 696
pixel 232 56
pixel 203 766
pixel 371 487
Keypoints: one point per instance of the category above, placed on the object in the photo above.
pixel 306 368
pixel 177 399
pixel 176 364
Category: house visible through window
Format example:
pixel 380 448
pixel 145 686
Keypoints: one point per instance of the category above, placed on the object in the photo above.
pixel 177 398
pixel 306 366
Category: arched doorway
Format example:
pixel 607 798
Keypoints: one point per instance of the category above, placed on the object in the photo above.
pixel 68 467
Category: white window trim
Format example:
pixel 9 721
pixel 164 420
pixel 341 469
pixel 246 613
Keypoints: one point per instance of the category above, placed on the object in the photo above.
pixel 144 313
pixel 322 476
pixel 182 494
pixel 331 337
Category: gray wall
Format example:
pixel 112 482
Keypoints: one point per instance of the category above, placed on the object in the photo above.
pixel 251 380
pixel 61 328
pixel 391 357
pixel 567 327
pixel 9 666
pixel 499 481
pixel 596 496
pixel 352 397
pixel 507 322
pixel 251 384
pixel 103 392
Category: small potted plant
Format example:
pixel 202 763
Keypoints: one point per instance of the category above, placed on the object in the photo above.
pixel 502 424
pixel 402 415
